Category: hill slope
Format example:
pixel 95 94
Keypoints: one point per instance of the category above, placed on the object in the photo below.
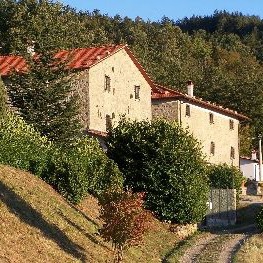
pixel 38 225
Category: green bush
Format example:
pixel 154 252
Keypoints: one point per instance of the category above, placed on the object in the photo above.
pixel 164 161
pixel 259 219
pixel 3 99
pixel 21 146
pixel 73 171
pixel 224 176
pixel 81 169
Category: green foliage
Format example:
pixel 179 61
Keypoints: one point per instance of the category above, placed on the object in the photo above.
pixel 165 162
pixel 222 53
pixel 259 219
pixel 224 176
pixel 21 146
pixel 82 168
pixel 125 220
pixel 43 99
pixel 3 99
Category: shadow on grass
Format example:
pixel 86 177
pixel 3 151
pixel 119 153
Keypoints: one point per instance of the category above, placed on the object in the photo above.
pixel 80 229
pixel 84 215
pixel 179 248
pixel 30 216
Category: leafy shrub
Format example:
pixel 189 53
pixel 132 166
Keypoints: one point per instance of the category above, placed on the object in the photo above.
pixel 224 176
pixel 73 171
pixel 259 219
pixel 83 168
pixel 3 99
pixel 164 161
pixel 125 220
pixel 21 146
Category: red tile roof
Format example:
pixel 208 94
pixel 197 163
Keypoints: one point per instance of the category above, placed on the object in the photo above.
pixel 162 93
pixel 10 63
pixel 78 59
pixel 84 58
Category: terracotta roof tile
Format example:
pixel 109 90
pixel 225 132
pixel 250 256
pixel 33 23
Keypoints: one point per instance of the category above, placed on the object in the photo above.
pixel 10 63
pixel 79 58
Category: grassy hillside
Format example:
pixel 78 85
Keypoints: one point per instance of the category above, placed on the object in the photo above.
pixel 38 225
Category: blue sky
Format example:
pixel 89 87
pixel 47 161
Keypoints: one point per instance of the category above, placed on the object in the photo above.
pixel 174 9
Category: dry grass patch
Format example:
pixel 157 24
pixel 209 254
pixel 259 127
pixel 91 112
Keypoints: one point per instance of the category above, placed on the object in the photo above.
pixel 251 251
pixel 38 225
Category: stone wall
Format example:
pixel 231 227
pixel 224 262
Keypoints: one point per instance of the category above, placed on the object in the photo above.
pixel 167 110
pixel 80 85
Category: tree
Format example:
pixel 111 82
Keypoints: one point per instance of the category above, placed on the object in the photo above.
pixel 224 176
pixel 125 220
pixel 164 161
pixel 44 99
pixel 3 99
pixel 50 24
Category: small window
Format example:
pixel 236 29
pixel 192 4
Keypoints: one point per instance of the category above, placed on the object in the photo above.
pixel 107 83
pixel 113 115
pixel 108 123
pixel 212 148
pixel 211 118
pixel 137 92
pixel 232 153
pixel 187 110
pixel 231 124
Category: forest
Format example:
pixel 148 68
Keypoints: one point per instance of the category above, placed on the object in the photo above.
pixel 221 53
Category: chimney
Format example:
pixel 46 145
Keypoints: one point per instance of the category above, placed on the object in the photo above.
pixel 254 155
pixel 190 88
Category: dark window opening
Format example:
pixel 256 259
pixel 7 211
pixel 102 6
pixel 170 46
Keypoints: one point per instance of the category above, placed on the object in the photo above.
pixel 108 122
pixel 212 148
pixel 137 92
pixel 211 118
pixel 187 110
pixel 232 153
pixel 231 124
pixel 107 83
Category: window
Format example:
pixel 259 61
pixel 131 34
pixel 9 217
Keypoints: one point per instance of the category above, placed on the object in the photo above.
pixel 211 118
pixel 187 110
pixel 231 124
pixel 232 153
pixel 137 92
pixel 212 148
pixel 107 83
pixel 108 122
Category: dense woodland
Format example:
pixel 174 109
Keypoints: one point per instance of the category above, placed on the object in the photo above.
pixel 222 53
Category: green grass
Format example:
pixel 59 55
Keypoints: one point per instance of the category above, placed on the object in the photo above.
pixel 38 225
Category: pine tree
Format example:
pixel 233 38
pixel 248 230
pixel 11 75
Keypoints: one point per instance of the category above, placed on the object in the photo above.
pixel 44 98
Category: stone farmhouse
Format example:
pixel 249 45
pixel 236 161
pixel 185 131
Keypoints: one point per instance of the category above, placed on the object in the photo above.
pixel 112 84
pixel 110 81
pixel 217 128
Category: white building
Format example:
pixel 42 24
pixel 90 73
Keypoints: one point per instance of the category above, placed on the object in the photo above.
pixel 250 168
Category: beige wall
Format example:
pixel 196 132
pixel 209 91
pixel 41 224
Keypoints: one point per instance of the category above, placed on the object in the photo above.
pixel 120 99
pixel 218 132
pixel 199 124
